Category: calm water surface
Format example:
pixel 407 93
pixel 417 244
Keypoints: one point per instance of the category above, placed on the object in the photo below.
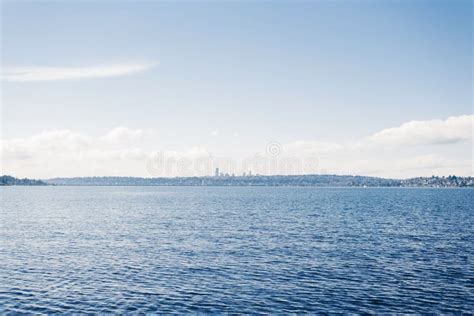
pixel 236 249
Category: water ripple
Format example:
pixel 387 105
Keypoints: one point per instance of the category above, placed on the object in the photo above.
pixel 236 250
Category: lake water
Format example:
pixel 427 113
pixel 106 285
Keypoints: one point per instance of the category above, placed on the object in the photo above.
pixel 236 249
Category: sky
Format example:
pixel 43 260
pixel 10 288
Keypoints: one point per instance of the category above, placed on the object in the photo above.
pixel 380 88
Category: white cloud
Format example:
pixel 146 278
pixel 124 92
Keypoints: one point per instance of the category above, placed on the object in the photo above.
pixel 67 153
pixel 26 74
pixel 397 152
pixel 452 130
pixel 57 141
pixel 123 134
pixel 64 153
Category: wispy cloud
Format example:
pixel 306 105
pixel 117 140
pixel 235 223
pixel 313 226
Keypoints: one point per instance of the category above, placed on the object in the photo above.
pixel 28 74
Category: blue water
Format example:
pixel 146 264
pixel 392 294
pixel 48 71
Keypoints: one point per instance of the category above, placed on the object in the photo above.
pixel 236 249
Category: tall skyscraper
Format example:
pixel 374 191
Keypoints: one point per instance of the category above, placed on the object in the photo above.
pixel 217 172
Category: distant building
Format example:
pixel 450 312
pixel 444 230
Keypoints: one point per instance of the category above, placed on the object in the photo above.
pixel 217 172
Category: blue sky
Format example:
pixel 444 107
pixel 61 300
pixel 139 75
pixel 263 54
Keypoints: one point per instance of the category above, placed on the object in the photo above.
pixel 228 78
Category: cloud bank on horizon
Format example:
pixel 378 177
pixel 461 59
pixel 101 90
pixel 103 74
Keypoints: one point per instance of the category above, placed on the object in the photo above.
pixel 400 152
pixel 38 73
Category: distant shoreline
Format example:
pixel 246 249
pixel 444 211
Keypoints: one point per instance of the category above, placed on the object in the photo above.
pixel 245 186
pixel 251 181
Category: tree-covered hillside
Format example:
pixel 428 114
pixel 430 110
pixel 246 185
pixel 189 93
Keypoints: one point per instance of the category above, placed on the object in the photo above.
pixel 9 180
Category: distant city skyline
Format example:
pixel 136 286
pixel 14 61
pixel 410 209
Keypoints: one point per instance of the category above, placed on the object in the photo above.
pixel 108 89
